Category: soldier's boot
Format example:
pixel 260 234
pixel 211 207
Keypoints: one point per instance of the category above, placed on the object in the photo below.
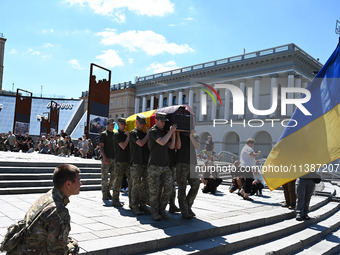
pixel 105 196
pixel 164 214
pixel 136 211
pixel 191 212
pixel 109 194
pixel 145 209
pixel 155 216
pixel 186 214
pixel 173 208
pixel 117 203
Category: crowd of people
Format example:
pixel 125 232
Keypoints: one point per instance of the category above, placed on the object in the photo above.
pixel 61 145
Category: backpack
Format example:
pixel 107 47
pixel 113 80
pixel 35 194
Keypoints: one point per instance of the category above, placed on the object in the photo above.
pixel 17 232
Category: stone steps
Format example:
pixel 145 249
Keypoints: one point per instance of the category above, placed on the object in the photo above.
pixel 329 245
pixel 36 177
pixel 191 236
pixel 256 235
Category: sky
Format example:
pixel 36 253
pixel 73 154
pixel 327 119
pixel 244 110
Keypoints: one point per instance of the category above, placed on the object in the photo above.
pixel 51 44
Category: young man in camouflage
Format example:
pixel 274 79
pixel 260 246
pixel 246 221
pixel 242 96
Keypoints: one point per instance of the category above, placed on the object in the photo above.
pixel 159 174
pixel 49 234
pixel 186 143
pixel 122 161
pixel 138 171
pixel 107 153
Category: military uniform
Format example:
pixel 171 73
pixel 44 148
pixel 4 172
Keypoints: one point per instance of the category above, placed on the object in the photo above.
pixel 185 172
pixel 138 171
pixel 121 165
pixel 49 234
pixel 106 137
pixel 159 174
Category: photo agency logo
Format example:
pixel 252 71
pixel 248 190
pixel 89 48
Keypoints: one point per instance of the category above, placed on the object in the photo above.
pixel 239 99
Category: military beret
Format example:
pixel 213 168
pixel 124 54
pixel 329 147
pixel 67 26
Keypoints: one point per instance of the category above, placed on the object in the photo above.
pixel 110 121
pixel 122 120
pixel 141 118
pixel 161 116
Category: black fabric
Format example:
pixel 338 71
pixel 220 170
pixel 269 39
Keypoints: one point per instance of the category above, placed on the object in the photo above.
pixel 120 155
pixel 106 138
pixel 187 153
pixel 139 155
pixel 159 155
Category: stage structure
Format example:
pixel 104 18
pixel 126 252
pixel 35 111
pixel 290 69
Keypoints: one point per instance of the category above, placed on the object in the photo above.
pixel 54 118
pixel 22 114
pixel 98 105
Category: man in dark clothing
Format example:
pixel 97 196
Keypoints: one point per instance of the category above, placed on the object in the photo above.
pixel 107 153
pixel 122 161
pixel 186 143
pixel 159 174
pixel 138 171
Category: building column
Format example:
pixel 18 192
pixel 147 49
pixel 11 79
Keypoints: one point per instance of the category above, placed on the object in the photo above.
pixel 180 97
pixel 202 95
pixel 226 104
pixel 152 102
pixel 191 98
pixel 160 101
pixel 290 95
pixel 213 108
pixel 242 88
pixel 144 104
pixel 273 84
pixel 256 94
pixel 137 104
pixel 171 97
pixel 305 84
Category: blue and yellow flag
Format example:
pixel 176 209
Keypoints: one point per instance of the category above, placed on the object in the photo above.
pixel 315 140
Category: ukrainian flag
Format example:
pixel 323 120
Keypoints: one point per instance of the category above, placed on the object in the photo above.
pixel 315 140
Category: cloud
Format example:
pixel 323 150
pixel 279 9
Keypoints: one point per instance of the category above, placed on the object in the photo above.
pixel 131 60
pixel 140 7
pixel 13 51
pixel 156 67
pixel 47 45
pixel 189 18
pixel 46 31
pixel 33 52
pixel 75 64
pixel 147 41
pixel 110 59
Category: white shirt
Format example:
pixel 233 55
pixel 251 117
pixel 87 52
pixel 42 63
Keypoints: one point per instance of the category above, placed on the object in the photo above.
pixel 245 158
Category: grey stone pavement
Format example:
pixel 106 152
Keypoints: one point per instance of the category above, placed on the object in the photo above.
pixel 97 225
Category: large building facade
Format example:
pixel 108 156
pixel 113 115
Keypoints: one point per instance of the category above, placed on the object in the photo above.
pixel 257 75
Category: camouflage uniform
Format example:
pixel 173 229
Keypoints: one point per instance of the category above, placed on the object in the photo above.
pixel 107 183
pixel 49 234
pixel 160 187
pixel 159 174
pixel 106 138
pixel 122 166
pixel 185 172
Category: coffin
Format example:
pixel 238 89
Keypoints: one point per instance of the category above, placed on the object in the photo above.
pixel 181 115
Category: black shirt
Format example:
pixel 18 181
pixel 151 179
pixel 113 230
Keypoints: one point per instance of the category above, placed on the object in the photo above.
pixel 209 145
pixel 120 155
pixel 187 153
pixel 159 155
pixel 139 155
pixel 106 137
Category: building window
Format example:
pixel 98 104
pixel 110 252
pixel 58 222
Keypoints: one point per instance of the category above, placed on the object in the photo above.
pixel 116 116
pixel 148 103
pixel 122 115
pixel 174 100
pixel 165 101
pixel 117 102
pixel 111 103
pixel 195 98
pixel 184 99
